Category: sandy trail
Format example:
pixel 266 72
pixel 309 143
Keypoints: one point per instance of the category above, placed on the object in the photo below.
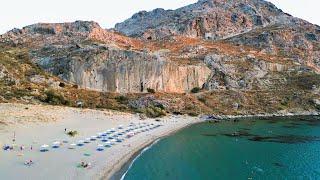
pixel 37 124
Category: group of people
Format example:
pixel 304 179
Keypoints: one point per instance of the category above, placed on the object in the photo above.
pixel 85 165
pixel 28 163
pixel 12 147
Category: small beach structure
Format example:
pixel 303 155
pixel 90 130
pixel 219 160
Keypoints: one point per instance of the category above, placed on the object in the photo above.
pixel 100 147
pixel 107 144
pixel 56 144
pixel 104 140
pixel 93 138
pixel 80 143
pixel 44 148
pixel 113 141
pixel 72 146
pixel 87 140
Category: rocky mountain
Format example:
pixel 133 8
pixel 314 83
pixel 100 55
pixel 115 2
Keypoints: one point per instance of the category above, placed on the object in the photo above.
pixel 85 54
pixel 246 56
pixel 207 19
pixel 257 24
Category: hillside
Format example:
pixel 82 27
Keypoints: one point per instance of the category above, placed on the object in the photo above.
pixel 235 57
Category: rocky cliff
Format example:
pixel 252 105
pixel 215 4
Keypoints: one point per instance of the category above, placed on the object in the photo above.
pixel 254 23
pixel 85 54
pixel 247 55
pixel 208 19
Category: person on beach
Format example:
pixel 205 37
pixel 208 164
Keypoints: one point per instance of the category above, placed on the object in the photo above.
pixel 14 137
pixel 31 147
pixel 28 163
pixel 85 165
pixel 65 130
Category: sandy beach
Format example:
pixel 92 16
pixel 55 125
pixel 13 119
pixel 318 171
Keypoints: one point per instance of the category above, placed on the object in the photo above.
pixel 34 125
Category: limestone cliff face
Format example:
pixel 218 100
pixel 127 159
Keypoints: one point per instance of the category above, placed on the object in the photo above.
pixel 91 57
pixel 138 75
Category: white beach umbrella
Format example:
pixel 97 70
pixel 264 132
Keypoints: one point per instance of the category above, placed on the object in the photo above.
pixel 93 138
pixel 108 144
pixel 120 126
pixel 80 143
pixel 56 143
pixel 113 141
pixel 100 147
pixel 104 140
pixel 44 146
pixel 72 146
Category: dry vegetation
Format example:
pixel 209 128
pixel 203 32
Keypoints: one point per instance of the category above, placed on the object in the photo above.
pixel 16 86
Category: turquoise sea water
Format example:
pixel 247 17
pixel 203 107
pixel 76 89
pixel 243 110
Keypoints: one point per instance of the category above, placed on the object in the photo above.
pixel 274 148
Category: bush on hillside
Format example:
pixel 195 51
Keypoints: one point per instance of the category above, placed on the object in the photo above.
pixel 195 90
pixel 151 90
pixel 55 98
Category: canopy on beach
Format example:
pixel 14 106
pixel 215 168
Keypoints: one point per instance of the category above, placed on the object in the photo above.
pixel 72 146
pixel 44 148
pixel 100 147
pixel 87 140
pixel 80 143
pixel 107 144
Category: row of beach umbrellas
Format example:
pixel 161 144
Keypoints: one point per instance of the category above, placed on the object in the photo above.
pixel 108 138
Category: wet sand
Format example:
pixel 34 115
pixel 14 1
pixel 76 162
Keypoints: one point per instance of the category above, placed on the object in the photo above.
pixel 37 124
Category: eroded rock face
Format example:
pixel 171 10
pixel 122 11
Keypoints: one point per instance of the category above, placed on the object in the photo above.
pixel 209 19
pixel 218 44
pixel 128 72
pixel 93 58
pixel 247 73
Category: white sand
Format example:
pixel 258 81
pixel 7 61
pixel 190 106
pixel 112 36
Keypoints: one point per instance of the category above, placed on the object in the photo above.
pixel 36 125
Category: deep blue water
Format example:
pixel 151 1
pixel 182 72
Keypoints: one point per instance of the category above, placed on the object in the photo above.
pixel 274 148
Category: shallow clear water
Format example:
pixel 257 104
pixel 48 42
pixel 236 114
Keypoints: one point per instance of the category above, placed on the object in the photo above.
pixel 274 148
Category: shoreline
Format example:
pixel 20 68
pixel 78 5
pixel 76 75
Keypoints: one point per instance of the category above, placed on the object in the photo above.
pixel 29 121
pixel 265 115
pixel 119 172
pixel 115 173
pixel 128 161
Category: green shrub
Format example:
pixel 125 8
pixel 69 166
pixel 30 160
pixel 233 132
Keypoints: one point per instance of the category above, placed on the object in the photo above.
pixel 122 99
pixel 202 99
pixel 55 99
pixel 193 114
pixel 161 106
pixel 72 133
pixel 195 90
pixel 154 112
pixel 151 90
